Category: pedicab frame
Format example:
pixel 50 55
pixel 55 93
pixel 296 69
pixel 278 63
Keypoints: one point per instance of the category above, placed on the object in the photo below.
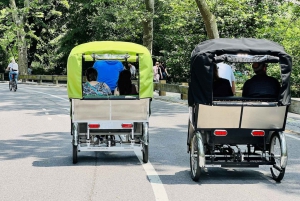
pixel 219 125
pixel 124 116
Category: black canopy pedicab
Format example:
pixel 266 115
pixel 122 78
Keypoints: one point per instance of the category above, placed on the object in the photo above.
pixel 108 122
pixel 236 131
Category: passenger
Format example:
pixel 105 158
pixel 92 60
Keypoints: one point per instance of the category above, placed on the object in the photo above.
pixel 225 71
pixel 92 87
pixel 221 86
pixel 125 86
pixel 132 70
pixel 261 85
pixel 108 72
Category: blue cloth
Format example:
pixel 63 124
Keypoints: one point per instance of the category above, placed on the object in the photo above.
pixel 108 72
pixel 10 75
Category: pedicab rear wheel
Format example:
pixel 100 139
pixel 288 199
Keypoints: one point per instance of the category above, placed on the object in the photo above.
pixel 275 153
pixel 145 150
pixel 194 159
pixel 75 152
pixel 145 153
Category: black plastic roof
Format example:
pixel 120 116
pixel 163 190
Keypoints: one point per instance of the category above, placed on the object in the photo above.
pixel 243 45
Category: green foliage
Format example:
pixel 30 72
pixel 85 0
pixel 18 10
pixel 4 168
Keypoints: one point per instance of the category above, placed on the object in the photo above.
pixel 178 28
pixel 53 28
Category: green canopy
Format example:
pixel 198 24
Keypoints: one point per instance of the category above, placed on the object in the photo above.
pixel 74 66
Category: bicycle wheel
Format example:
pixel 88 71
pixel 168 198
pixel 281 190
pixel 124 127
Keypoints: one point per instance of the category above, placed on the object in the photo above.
pixel 14 86
pixel 10 86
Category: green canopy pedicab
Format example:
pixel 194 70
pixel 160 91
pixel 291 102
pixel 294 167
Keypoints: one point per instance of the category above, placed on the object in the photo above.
pixel 120 122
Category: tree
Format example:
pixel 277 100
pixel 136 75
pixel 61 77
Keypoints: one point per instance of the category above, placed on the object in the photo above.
pixel 209 19
pixel 148 25
pixel 19 20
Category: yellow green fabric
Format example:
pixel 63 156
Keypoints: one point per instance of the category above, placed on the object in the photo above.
pixel 74 66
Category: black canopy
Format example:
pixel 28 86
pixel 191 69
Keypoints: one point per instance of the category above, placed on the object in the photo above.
pixel 234 50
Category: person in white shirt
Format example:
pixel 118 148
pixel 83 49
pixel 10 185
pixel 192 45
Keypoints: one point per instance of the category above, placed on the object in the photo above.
pixel 132 70
pixel 13 68
pixel 29 70
pixel 226 72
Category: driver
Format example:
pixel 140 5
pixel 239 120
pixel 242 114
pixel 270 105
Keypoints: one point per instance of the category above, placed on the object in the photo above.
pixel 13 68
pixel 261 85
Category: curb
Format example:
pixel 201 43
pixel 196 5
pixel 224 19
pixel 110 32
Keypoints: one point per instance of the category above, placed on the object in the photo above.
pixel 170 99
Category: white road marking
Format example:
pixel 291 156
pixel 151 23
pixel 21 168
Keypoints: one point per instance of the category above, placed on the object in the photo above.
pixel 44 109
pixel 291 136
pixel 157 186
pixel 50 95
pixel 49 118
pixel 47 113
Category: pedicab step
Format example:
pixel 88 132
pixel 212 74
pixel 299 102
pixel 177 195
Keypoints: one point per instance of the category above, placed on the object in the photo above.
pixel 240 164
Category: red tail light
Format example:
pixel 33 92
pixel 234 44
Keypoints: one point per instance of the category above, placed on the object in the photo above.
pixel 220 133
pixel 127 125
pixel 94 125
pixel 258 133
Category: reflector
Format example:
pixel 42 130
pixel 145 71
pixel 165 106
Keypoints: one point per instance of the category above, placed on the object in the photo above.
pixel 258 133
pixel 127 125
pixel 94 125
pixel 220 132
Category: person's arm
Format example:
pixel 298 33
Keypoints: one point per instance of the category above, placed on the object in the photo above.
pixel 8 67
pixel 232 82
pixel 245 90
pixel 116 92
pixel 134 72
pixel 160 72
pixel 233 87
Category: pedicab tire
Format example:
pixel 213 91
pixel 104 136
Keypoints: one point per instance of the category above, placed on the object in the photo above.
pixel 280 176
pixel 276 177
pixel 145 153
pixel 195 171
pixel 75 152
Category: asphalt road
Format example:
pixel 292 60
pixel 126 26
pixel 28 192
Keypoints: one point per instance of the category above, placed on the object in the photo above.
pixel 36 158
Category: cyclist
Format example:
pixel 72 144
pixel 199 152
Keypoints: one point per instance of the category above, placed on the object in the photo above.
pixel 13 68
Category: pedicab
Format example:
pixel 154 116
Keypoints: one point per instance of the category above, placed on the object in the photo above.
pixel 109 123
pixel 237 132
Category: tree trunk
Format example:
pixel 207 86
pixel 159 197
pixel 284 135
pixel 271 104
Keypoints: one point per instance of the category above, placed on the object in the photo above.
pixel 22 45
pixel 209 19
pixel 148 25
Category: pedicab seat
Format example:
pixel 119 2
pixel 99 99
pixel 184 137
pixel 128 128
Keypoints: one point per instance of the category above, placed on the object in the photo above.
pixel 242 113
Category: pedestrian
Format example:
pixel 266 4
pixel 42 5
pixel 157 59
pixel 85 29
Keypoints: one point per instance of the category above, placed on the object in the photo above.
pixel 164 71
pixel 29 70
pixel 156 72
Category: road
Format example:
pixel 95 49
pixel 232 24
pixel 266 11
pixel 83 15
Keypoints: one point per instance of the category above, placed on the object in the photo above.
pixel 36 162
